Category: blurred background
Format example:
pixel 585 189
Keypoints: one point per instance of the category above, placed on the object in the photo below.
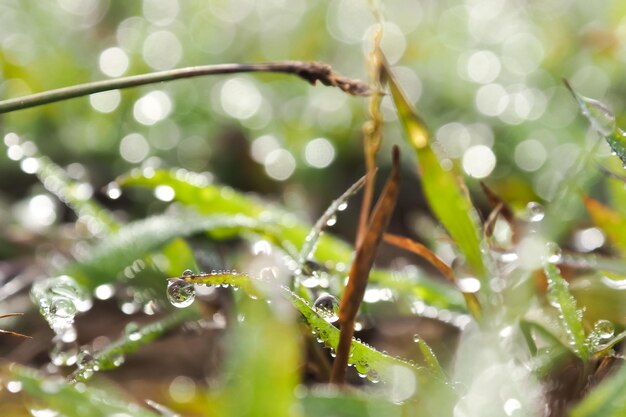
pixel 485 74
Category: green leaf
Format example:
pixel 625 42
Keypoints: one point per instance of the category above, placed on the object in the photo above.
pixel 430 358
pixel 65 189
pixel 71 400
pixel 570 317
pixel 608 399
pixel 441 187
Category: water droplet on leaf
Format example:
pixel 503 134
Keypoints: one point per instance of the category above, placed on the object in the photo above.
pixel 534 212
pixel 180 293
pixel 604 329
pixel 187 273
pixel 327 306
pixel 553 252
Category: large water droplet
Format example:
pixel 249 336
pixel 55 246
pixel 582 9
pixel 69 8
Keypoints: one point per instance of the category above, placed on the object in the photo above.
pixel 534 212
pixel 187 273
pixel 180 293
pixel 604 329
pixel 327 306
pixel 553 252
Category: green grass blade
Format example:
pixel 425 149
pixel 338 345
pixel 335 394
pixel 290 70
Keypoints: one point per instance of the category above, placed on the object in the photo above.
pixel 441 187
pixel 70 400
pixel 608 399
pixel 65 189
pixel 367 360
pixel 113 355
pixel 137 239
pixel 430 358
pixel 570 317
pixel 312 239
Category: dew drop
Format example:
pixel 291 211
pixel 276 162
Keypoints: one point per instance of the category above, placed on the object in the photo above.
pixel 187 273
pixel 553 252
pixel 373 376
pixel 342 206
pixel 113 191
pixel 267 274
pixel 332 220
pixel 535 212
pixel 604 329
pixel 327 306
pixel 417 338
pixel 180 293
pixel 132 331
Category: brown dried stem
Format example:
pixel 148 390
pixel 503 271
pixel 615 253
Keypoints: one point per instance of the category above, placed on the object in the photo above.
pixel 309 71
pixel 361 266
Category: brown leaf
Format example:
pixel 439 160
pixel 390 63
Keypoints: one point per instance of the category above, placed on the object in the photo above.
pixel 361 266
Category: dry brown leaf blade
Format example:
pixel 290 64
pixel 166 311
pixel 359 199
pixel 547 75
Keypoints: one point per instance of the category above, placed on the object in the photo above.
pixel 361 266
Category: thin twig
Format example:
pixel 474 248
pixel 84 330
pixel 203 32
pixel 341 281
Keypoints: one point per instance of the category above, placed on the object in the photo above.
pixel 309 71
pixel 372 135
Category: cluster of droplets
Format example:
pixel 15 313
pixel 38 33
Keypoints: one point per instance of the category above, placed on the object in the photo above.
pixel 181 292
pixel 59 300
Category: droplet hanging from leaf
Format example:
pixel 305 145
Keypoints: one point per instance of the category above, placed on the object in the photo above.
pixel 180 293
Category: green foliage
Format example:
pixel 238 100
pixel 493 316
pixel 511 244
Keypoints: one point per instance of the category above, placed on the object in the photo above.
pixel 70 400
pixel 525 339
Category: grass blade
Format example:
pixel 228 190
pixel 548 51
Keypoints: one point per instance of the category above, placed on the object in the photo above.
pixel 430 358
pixel 570 317
pixel 137 239
pixel 311 240
pixel 113 355
pixel 443 192
pixel 70 400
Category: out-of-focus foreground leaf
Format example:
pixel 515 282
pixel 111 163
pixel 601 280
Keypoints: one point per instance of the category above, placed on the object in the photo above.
pixel 69 400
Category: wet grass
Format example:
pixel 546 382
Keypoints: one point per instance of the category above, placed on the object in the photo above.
pixel 530 340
